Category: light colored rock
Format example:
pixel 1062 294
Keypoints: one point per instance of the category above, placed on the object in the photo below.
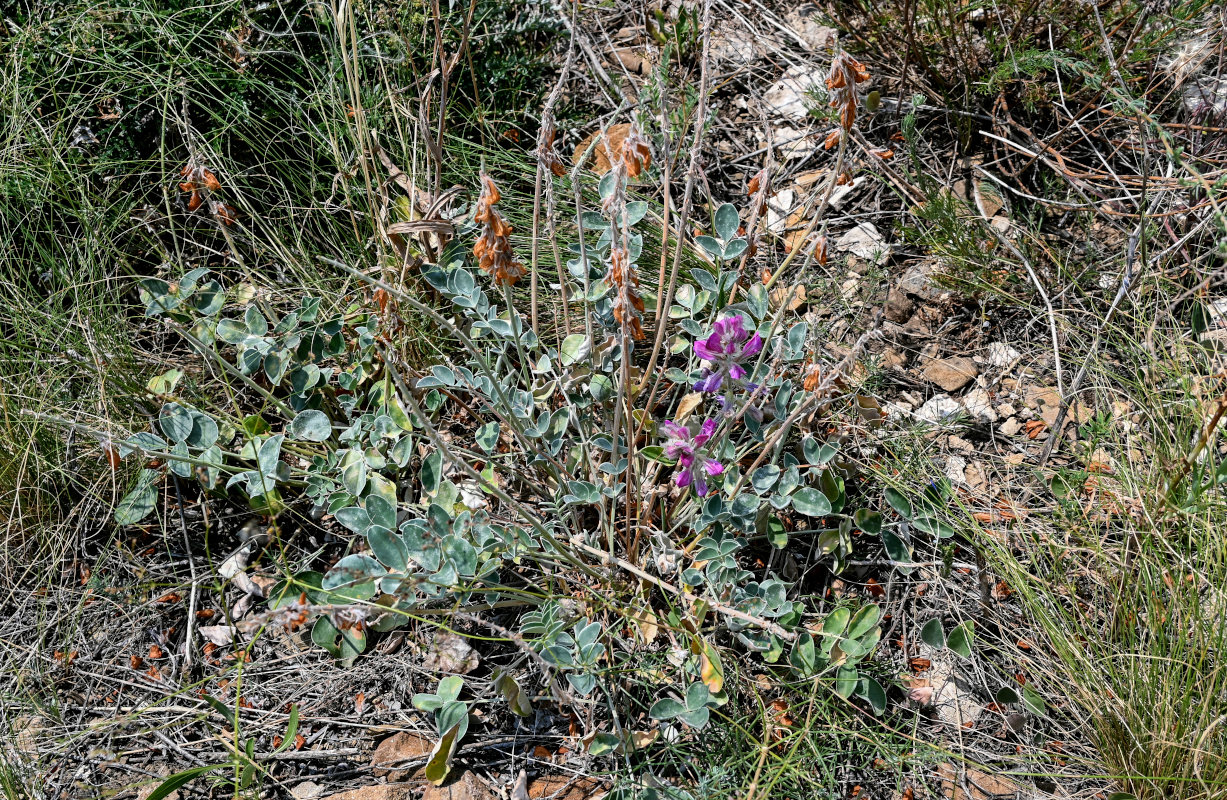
pixel 787 96
pixel 918 280
pixel 894 358
pixel 951 373
pixel 778 209
pixel 977 476
pixel 956 467
pixel 939 409
pixel 1002 356
pixel 960 444
pixel 805 23
pixel 1006 410
pixel 864 241
pixel 980 405
pixel 307 790
pixel 389 791
pixel 1010 427
pixel 968 783
pixel 450 653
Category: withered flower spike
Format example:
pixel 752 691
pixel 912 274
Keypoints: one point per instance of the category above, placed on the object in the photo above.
pixel 627 302
pixel 636 154
pixel 493 247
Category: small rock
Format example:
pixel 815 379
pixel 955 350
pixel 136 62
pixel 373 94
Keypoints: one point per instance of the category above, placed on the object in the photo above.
pixel 960 444
pixel 307 790
pixel 897 411
pixel 1047 401
pixel 633 62
pixel 977 476
pixel 787 97
pixel 1002 356
pixel 451 653
pixel 918 280
pixel 1015 459
pixel 951 374
pixel 955 469
pixel 466 786
pixel 865 242
pixel 551 786
pixel 980 405
pixel 975 785
pixel 389 791
pixel 899 306
pixel 939 408
pixel 894 358
pixel 1006 410
pixel 1010 427
pixel 395 751
pixel 804 22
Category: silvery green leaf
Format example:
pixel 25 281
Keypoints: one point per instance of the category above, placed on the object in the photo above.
pixel 461 554
pixel 735 248
pixel 666 708
pixel 487 436
pixel 181 468
pixel 209 299
pixel 136 504
pixel 811 502
pixel 381 511
pixel 727 222
pixel 354 518
pixel 231 331
pixel 269 452
pixel 187 284
pixel 257 325
pixel 635 211
pixel 176 422
pixel 275 364
pixel 388 548
pixel 204 430
pixel 593 221
pixel 711 245
pixel 311 425
pixel 432 472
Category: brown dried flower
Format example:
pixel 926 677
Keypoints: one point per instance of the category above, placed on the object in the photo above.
pixel 627 302
pixel 493 248
pixel 636 154
pixel 546 153
pixel 820 250
pixel 846 72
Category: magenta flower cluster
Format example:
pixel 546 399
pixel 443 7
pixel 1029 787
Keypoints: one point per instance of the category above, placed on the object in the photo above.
pixel 727 348
pixel 695 465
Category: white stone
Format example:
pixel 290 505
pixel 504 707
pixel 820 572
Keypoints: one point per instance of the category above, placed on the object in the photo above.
pixel 787 96
pixel 1002 356
pixel 939 408
pixel 979 405
pixel 864 241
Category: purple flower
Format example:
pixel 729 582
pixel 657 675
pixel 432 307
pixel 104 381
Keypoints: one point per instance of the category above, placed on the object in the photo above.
pixel 726 349
pixel 695 465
